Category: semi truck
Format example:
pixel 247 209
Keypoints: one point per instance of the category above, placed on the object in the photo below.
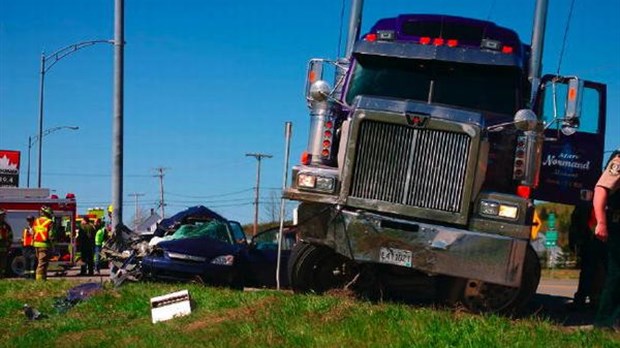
pixel 425 159
pixel 20 203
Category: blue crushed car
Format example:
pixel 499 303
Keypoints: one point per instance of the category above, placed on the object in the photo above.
pixel 216 252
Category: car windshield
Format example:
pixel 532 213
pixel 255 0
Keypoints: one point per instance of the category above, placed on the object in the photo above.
pixel 212 229
pixel 477 87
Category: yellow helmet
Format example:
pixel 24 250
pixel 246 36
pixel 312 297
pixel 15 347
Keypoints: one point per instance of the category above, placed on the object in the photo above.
pixel 110 208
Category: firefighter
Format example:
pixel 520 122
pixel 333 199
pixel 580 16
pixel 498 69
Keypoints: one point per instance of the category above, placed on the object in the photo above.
pixel 607 210
pixel 43 235
pixel 28 248
pixel 86 245
pixel 6 238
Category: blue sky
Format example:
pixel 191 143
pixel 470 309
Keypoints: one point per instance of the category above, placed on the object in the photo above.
pixel 208 81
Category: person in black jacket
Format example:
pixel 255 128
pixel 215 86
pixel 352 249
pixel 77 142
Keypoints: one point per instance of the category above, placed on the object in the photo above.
pixel 86 245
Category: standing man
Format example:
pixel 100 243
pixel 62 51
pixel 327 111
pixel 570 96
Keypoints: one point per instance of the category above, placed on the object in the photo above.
pixel 607 211
pixel 6 238
pixel 99 239
pixel 28 247
pixel 43 235
pixel 86 244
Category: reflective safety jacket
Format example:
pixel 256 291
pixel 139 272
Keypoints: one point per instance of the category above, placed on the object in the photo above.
pixel 28 237
pixel 43 232
pixel 6 236
pixel 100 236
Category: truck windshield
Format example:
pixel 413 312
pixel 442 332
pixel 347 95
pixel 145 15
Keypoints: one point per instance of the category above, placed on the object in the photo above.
pixel 478 87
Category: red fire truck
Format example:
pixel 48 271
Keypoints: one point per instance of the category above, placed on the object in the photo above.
pixel 21 202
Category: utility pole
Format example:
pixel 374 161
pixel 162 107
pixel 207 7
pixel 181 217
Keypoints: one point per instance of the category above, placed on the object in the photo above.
pixel 161 173
pixel 117 118
pixel 137 214
pixel 259 157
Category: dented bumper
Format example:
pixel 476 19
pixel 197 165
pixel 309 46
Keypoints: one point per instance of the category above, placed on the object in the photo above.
pixel 374 238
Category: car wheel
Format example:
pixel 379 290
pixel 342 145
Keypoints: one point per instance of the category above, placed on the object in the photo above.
pixel 316 269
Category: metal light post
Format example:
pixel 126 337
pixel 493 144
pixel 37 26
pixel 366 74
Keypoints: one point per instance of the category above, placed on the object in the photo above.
pixel 32 140
pixel 47 62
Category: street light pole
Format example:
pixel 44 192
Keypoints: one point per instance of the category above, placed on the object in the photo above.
pixel 32 140
pixel 259 157
pixel 53 58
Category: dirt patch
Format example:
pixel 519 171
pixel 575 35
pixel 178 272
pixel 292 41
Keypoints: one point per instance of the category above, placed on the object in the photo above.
pixel 80 338
pixel 243 312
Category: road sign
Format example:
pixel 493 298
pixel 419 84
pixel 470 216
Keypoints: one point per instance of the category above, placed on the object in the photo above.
pixel 551 221
pixel 536 223
pixel 551 239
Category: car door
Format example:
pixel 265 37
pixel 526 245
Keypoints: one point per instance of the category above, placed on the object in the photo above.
pixel 263 256
pixel 571 163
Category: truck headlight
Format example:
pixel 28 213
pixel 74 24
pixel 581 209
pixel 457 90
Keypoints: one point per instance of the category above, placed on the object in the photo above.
pixel 315 182
pixel 493 208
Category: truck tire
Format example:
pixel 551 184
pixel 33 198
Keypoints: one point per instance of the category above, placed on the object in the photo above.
pixel 17 266
pixel 316 269
pixel 479 296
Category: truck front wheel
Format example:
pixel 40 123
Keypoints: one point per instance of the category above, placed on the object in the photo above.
pixel 316 269
pixel 17 266
pixel 479 296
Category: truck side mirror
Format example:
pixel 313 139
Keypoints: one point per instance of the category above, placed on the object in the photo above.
pixel 315 73
pixel 573 98
pixel 572 112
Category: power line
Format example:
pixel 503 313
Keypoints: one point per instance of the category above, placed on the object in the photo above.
pixel 570 15
pixel 161 173
pixel 96 175
pixel 259 157
pixel 137 213
pixel 209 196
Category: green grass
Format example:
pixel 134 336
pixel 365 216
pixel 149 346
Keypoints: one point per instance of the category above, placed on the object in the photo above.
pixel 226 318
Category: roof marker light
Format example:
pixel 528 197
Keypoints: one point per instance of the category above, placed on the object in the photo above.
pixel 453 43
pixel 425 40
pixel 507 49
pixel 371 37
pixel 438 41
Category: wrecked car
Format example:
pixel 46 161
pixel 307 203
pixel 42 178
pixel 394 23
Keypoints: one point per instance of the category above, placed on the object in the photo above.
pixel 201 246
pixel 214 253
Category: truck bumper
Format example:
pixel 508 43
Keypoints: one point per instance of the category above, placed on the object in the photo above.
pixel 364 236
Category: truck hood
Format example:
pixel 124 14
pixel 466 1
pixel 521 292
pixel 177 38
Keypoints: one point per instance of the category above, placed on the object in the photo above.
pixel 399 106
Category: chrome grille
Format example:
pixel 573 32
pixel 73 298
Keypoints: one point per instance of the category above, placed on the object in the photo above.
pixel 417 167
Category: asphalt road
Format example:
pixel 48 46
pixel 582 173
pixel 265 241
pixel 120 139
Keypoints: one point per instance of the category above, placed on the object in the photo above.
pixel 550 303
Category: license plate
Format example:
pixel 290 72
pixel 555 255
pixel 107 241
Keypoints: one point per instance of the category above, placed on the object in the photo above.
pixel 393 256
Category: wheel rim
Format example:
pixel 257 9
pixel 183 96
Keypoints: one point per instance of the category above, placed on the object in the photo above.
pixel 334 271
pixel 481 296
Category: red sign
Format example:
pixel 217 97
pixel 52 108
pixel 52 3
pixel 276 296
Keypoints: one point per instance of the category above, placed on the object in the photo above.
pixel 9 168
